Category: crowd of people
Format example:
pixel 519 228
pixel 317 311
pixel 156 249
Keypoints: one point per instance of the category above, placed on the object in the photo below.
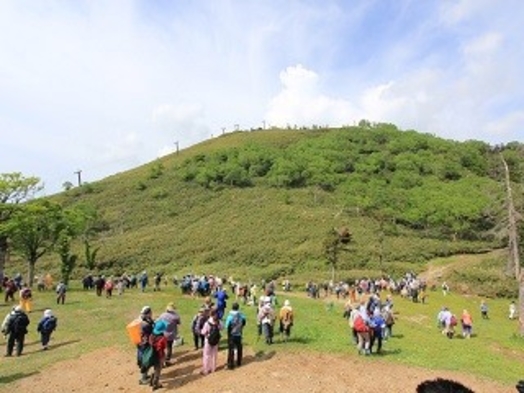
pixel 156 336
pixel 368 309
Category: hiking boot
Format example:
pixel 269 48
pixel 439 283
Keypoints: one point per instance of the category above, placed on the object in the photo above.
pixel 157 386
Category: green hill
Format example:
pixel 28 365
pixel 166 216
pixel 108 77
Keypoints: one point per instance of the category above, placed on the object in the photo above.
pixel 259 204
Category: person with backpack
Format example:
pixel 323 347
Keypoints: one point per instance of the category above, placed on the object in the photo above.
pixel 235 323
pixel 286 319
pixel 361 326
pixel 196 327
pixel 46 326
pixel 154 355
pixel 16 329
pixel 61 290
pixel 378 325
pixel 146 329
pixel 211 333
pixel 172 320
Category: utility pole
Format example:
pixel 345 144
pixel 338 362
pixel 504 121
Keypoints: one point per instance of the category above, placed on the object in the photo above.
pixel 223 130
pixel 237 126
pixel 176 143
pixel 263 124
pixel 79 175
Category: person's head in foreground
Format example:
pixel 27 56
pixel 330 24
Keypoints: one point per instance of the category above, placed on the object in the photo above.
pixel 441 385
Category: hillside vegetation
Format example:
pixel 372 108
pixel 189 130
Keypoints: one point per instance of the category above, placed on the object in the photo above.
pixel 259 204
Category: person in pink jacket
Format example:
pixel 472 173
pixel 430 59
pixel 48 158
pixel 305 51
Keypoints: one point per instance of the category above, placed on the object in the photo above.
pixel 210 352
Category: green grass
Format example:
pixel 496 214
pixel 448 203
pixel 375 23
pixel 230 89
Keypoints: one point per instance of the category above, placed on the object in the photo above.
pixel 88 322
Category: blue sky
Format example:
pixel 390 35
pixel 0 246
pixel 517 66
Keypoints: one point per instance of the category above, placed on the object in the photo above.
pixel 107 86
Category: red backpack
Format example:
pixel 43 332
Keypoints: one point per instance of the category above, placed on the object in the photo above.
pixel 360 325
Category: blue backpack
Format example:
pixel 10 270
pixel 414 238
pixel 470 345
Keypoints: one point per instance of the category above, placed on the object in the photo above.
pixel 49 325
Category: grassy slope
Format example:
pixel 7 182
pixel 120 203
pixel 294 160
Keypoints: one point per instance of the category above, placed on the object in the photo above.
pixel 495 352
pixel 168 225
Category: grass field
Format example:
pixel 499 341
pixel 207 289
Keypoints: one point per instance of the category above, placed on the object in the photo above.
pixel 87 322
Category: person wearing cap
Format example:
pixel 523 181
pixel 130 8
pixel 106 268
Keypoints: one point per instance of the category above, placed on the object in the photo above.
pixel 196 327
pixel 158 341
pixel 45 327
pixel 146 329
pixel 172 320
pixel 286 319
pixel 16 329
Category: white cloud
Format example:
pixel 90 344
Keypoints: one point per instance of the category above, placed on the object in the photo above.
pixel 301 103
pixel 105 86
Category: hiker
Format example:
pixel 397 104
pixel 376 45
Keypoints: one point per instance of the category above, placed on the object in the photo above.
pixel 351 322
pixel 286 319
pixel 378 324
pixel 448 321
pixel 211 333
pixel 146 329
pixel 10 289
pixel 158 343
pixel 387 314
pixel 361 326
pixel 46 326
pixel 467 324
pixel 108 287
pixel 266 319
pixel 61 290
pixel 100 283
pixel 235 323
pixel 26 295
pixel 484 309
pixel 172 320
pixel 16 329
pixel 512 310
pixel 221 296
pixel 143 281
pixel 445 288
pixel 157 282
pixel 196 327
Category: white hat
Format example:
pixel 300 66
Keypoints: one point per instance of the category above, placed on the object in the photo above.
pixel 287 303
pixel 48 313
pixel 18 308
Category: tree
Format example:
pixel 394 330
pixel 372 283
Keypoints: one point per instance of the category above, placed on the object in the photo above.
pixel 67 186
pixel 335 241
pixel 513 264
pixel 67 260
pixel 34 229
pixel 14 189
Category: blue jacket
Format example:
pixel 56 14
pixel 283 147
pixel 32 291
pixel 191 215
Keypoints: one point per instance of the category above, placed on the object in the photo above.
pixel 229 320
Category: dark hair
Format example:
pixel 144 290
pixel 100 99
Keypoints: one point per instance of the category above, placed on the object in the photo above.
pixel 235 306
pixel 520 386
pixel 441 385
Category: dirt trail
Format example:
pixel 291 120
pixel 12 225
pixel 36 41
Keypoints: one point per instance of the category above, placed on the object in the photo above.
pixel 110 370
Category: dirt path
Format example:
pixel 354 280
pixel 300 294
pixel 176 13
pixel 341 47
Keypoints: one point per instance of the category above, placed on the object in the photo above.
pixel 110 370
